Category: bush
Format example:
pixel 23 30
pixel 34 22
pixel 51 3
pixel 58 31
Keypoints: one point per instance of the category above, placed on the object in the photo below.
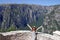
pixel 11 28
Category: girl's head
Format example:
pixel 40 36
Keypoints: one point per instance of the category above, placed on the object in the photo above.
pixel 34 28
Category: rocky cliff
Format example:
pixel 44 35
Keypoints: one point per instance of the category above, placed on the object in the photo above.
pixel 18 15
pixel 52 19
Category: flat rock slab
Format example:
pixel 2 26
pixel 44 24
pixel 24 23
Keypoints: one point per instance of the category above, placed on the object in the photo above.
pixel 26 35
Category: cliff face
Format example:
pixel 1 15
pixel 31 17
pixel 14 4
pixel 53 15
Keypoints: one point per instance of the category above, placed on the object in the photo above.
pixel 19 15
pixel 52 19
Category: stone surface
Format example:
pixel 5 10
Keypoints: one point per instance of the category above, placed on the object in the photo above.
pixel 27 35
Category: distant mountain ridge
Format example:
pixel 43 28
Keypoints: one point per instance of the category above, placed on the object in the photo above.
pixel 19 15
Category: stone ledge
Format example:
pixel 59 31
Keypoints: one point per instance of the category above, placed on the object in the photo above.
pixel 26 35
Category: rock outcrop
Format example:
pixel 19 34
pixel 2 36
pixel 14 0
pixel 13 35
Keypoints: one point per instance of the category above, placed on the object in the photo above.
pixel 26 35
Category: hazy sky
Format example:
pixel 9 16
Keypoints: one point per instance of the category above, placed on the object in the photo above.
pixel 39 2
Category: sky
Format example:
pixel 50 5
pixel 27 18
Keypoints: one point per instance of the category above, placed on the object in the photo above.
pixel 37 2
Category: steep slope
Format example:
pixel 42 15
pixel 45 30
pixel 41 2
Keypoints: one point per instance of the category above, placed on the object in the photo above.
pixel 51 20
pixel 18 15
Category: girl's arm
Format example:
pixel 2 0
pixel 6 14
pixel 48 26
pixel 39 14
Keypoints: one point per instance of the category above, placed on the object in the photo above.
pixel 29 26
